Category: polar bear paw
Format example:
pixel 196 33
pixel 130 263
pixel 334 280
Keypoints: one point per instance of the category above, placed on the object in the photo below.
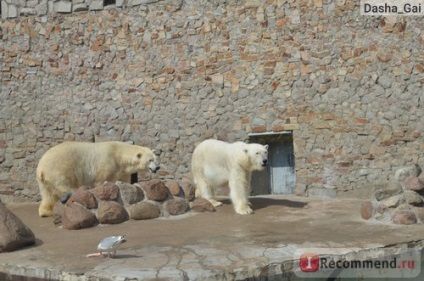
pixel 215 203
pixel 244 210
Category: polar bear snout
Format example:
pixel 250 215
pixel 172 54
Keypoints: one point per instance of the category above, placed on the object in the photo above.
pixel 153 167
pixel 264 162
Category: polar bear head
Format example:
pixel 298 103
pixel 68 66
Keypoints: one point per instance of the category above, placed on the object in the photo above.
pixel 146 159
pixel 257 156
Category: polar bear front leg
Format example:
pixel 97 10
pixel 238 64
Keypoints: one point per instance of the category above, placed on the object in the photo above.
pixel 238 194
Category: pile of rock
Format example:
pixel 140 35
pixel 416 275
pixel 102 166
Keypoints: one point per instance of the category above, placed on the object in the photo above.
pixel 400 201
pixel 113 203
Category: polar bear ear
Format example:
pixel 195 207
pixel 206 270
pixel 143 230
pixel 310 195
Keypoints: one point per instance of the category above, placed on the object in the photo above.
pixel 266 146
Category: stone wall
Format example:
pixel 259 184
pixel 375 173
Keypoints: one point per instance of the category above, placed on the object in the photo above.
pixel 170 74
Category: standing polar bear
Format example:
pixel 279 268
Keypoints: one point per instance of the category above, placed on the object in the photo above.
pixel 217 163
pixel 69 165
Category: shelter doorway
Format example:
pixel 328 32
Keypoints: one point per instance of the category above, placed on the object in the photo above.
pixel 279 177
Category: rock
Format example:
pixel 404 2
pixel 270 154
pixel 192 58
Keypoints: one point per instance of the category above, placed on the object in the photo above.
pixel 322 192
pixel 176 206
pixel 189 190
pixel 413 198
pixel 83 197
pixel 174 187
pixel 130 193
pixel 144 211
pixel 111 212
pixel 76 216
pixel 58 211
pixel 414 183
pixel 65 197
pixel 419 213
pixel 392 201
pixel 367 210
pixel 385 190
pixel 202 205
pixel 382 213
pixel 404 217
pixel 156 190
pixel 407 172
pixel 14 234
pixel 107 191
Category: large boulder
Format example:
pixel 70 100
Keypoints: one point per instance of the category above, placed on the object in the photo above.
pixel 144 211
pixel 14 234
pixel 106 191
pixel 156 190
pixel 76 216
pixel 202 205
pixel 84 198
pixel 176 206
pixel 130 193
pixel 111 212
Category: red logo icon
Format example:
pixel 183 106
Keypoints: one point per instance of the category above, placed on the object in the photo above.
pixel 309 262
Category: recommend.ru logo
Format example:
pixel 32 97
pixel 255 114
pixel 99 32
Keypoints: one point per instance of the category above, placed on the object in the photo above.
pixel 355 263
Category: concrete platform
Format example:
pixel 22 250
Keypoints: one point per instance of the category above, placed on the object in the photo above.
pixel 202 246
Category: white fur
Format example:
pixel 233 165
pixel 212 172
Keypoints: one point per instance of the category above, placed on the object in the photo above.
pixel 217 163
pixel 69 165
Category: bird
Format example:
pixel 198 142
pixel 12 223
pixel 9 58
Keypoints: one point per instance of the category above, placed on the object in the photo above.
pixel 108 246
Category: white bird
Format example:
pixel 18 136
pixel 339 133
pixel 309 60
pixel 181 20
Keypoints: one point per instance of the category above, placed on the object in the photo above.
pixel 109 245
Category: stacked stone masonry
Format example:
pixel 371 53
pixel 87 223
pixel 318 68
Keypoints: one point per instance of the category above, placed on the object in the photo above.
pixel 168 74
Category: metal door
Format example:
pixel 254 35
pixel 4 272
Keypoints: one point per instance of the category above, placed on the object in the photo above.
pixel 280 176
pixel 281 168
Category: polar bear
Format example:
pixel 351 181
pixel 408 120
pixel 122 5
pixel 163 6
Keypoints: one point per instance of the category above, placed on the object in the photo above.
pixel 216 163
pixel 67 166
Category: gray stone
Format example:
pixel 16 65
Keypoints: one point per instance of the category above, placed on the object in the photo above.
pixel 63 7
pixel 412 197
pixel 392 201
pixel 42 8
pixel 322 192
pixel 79 8
pixel 384 81
pixel 385 190
pixel 403 174
pixel 130 193
pixel 14 234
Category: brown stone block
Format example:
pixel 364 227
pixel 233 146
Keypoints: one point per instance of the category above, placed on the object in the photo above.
pixel 259 129
pixel 367 210
pixel 362 121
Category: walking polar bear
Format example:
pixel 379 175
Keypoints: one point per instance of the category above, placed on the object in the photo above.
pixel 216 163
pixel 67 166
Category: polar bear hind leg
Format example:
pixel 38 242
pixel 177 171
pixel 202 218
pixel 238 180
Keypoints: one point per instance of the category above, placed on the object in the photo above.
pixel 203 190
pixel 48 199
